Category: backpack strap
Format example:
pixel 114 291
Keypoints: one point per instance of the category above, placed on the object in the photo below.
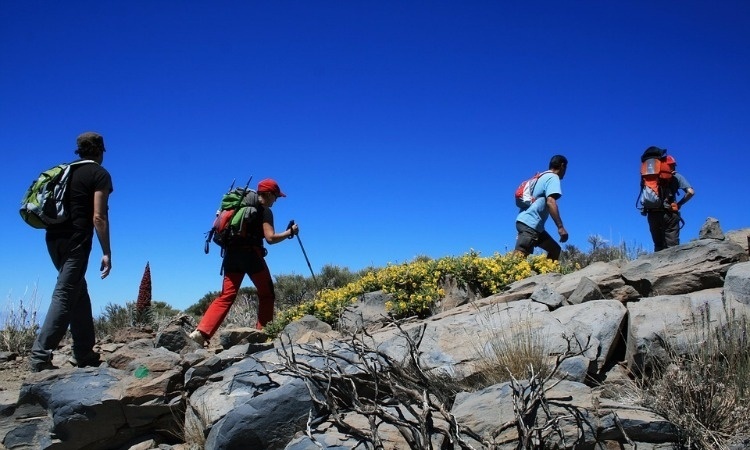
pixel 533 183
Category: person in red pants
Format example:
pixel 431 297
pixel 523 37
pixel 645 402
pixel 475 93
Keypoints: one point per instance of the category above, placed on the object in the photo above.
pixel 246 255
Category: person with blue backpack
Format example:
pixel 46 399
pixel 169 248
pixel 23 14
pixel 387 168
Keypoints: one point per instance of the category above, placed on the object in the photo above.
pixel 538 203
pixel 69 244
pixel 245 254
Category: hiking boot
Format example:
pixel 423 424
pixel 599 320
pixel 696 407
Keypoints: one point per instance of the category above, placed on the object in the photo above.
pixel 92 359
pixel 38 366
pixel 198 338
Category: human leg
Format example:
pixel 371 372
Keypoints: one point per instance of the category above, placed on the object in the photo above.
pixel 266 296
pixel 71 261
pixel 218 309
pixel 671 229
pixel 526 239
pixel 82 328
pixel 656 227
pixel 549 245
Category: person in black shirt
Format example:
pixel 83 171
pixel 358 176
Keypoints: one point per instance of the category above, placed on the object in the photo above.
pixel 69 245
pixel 247 256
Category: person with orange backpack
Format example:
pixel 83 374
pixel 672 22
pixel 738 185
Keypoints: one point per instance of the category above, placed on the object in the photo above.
pixel 537 200
pixel 658 198
pixel 245 254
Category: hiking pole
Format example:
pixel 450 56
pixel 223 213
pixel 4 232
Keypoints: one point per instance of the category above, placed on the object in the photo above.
pixel 291 222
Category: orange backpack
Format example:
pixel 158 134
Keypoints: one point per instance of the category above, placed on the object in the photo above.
pixel 656 176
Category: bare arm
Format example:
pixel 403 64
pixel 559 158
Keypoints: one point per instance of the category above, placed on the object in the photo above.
pixel 554 212
pixel 272 238
pixel 689 193
pixel 101 225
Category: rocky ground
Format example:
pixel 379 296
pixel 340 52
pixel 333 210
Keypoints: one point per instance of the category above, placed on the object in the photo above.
pixel 14 370
pixel 12 374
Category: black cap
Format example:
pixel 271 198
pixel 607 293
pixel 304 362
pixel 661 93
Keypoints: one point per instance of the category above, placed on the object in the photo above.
pixel 90 141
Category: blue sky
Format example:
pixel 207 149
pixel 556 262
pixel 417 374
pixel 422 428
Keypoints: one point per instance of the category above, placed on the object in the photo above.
pixel 396 128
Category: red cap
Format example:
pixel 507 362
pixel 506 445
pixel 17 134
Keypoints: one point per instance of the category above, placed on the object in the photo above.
pixel 269 185
pixel 670 160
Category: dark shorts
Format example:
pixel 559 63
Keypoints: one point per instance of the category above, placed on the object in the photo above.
pixel 528 239
pixel 247 260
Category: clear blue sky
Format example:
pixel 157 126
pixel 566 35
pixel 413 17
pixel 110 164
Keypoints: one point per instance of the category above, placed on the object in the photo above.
pixel 397 128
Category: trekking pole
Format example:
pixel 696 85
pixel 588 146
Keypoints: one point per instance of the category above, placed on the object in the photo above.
pixel 291 222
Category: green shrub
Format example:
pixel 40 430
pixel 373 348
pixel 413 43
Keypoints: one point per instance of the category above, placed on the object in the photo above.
pixel 115 317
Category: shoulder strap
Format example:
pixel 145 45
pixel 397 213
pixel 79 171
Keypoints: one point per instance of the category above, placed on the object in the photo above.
pixel 536 178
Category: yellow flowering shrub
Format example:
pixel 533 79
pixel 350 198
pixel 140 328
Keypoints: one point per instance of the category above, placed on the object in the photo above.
pixel 415 286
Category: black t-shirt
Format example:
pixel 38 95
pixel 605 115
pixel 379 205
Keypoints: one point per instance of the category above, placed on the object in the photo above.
pixel 255 228
pixel 242 255
pixel 85 179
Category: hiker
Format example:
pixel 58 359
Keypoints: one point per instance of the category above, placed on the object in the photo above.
pixel 664 221
pixel 246 255
pixel 530 221
pixel 69 245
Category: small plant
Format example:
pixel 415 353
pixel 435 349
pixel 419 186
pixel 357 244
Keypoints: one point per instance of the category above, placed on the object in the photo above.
pixel 20 324
pixel 572 258
pixel 115 317
pixel 194 425
pixel 244 311
pixel 142 314
pixel 513 349
pixel 704 390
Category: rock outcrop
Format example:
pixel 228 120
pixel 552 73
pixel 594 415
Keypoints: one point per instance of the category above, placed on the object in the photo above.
pixel 154 391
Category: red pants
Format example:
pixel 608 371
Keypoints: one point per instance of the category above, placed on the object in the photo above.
pixel 219 308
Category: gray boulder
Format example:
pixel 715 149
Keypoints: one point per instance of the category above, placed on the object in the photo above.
pixel 483 411
pixel 711 230
pixel 523 289
pixel 740 237
pixel 268 421
pixel 307 329
pixel 90 408
pixel 601 320
pixel 690 267
pixel 585 291
pixel 673 324
pixel 547 295
pixel 737 283
pixel 606 275
pixel 368 312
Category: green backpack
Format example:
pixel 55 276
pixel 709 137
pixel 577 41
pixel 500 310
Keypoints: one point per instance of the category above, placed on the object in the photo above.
pixel 237 209
pixel 45 201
